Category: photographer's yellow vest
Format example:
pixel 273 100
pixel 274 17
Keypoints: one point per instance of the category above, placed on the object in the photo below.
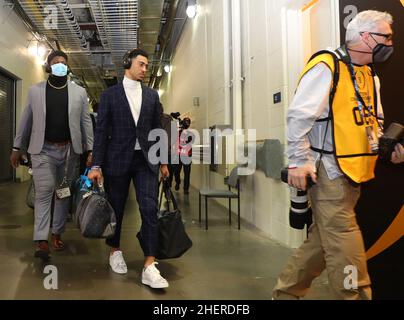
pixel 351 146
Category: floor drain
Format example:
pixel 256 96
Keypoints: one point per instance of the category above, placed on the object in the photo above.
pixel 10 226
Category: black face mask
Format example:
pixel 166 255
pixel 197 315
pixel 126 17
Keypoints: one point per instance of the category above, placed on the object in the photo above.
pixel 382 52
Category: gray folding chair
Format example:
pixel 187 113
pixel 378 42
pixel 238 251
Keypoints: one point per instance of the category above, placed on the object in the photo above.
pixel 232 181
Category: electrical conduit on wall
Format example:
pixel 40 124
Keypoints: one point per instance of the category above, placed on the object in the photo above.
pixel 237 70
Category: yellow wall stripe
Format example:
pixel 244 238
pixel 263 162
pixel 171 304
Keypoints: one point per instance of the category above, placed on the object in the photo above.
pixel 390 236
pixel 310 4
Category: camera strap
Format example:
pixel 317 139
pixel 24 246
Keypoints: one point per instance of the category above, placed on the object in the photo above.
pixel 322 151
pixel 335 80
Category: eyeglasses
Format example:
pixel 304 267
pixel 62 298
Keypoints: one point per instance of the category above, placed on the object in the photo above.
pixel 387 36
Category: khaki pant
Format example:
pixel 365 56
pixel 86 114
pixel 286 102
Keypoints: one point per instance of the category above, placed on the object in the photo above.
pixel 334 243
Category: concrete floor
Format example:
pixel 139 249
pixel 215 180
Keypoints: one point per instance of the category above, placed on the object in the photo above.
pixel 224 263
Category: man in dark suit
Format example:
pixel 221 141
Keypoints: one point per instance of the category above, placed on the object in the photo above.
pixel 127 113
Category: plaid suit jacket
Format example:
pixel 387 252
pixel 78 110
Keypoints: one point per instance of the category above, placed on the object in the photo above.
pixel 116 132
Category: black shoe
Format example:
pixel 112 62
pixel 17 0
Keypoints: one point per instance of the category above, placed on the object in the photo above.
pixel 177 187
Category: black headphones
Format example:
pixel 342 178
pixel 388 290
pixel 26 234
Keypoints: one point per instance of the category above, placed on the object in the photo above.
pixel 130 54
pixel 47 68
pixel 127 59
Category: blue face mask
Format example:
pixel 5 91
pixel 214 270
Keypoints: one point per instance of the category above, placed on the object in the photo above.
pixel 59 69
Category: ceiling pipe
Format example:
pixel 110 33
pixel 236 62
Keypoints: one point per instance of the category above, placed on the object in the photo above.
pixel 164 38
pixel 73 23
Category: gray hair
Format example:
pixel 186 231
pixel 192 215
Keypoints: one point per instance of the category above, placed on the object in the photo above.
pixel 365 21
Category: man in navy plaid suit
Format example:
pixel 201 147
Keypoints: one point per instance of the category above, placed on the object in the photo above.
pixel 127 113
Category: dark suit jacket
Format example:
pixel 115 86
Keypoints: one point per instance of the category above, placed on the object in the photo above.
pixel 116 132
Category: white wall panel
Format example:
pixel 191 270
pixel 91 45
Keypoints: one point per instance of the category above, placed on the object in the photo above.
pixel 199 70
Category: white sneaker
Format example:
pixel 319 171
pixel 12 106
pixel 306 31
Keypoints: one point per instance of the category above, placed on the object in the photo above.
pixel 151 277
pixel 117 262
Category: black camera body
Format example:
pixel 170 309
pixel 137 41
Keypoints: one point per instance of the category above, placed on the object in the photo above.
pixel 300 213
pixel 393 135
pixel 176 116
pixel 183 123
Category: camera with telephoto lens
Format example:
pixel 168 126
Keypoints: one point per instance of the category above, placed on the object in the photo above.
pixel 300 213
pixel 393 135
pixel 183 123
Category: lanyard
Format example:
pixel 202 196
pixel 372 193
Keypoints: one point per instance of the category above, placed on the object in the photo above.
pixel 371 135
pixel 65 178
pixel 361 102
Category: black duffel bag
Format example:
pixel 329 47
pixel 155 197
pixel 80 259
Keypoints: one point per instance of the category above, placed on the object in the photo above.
pixel 80 188
pixel 94 215
pixel 173 241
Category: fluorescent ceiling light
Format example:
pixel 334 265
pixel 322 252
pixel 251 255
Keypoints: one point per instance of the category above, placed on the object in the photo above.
pixel 191 11
pixel 167 68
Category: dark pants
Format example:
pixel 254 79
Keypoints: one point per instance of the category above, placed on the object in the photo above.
pixel 146 187
pixel 187 174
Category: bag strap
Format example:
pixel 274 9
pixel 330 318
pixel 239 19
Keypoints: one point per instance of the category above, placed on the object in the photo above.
pixel 169 195
pixel 65 179
pixel 160 196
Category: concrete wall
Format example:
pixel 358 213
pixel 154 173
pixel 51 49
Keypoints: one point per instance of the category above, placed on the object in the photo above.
pixel 198 72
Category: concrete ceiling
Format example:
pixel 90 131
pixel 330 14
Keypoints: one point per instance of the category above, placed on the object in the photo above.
pixel 97 33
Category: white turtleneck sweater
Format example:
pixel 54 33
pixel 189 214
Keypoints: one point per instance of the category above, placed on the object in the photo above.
pixel 133 91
